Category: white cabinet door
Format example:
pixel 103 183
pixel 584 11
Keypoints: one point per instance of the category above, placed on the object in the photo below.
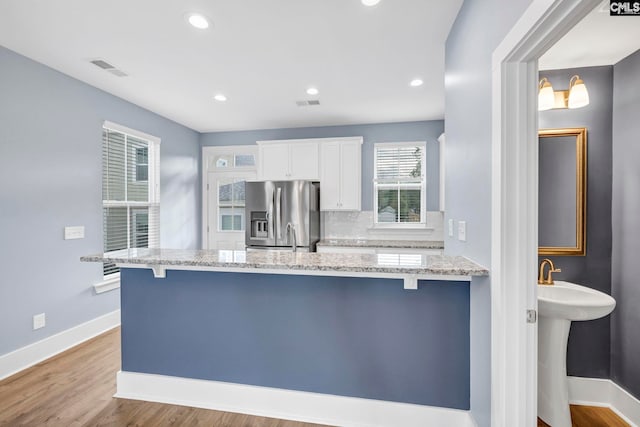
pixel 350 175
pixel 274 162
pixel 287 161
pixel 330 167
pixel 340 175
pixel 303 161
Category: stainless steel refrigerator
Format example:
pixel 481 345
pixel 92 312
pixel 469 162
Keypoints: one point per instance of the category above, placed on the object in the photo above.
pixel 282 215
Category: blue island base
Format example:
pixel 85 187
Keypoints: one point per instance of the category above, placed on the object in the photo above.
pixel 358 337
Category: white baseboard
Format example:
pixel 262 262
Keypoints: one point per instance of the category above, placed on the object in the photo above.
pixel 25 357
pixel 603 392
pixel 285 404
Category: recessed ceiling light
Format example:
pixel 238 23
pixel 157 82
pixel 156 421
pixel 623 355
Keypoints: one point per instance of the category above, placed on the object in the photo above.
pixel 220 97
pixel 416 82
pixel 198 21
pixel 370 2
pixel 312 91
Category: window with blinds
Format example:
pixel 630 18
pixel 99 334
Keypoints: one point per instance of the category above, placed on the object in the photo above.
pixel 130 202
pixel 400 183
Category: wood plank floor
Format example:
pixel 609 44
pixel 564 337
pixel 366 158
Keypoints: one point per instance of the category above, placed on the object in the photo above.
pixel 75 388
pixel 591 416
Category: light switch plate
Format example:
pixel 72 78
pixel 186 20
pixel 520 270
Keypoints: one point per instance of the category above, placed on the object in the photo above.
pixel 462 231
pixel 39 321
pixel 450 228
pixel 75 232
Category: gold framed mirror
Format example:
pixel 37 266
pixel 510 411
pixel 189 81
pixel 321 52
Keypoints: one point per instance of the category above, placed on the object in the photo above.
pixel 562 195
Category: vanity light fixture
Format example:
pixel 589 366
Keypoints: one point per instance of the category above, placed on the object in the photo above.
pixel 546 98
pixel 198 21
pixel 220 97
pixel 576 96
pixel 370 2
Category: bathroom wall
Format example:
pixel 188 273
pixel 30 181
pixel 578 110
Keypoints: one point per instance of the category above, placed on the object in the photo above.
pixel 625 286
pixel 588 353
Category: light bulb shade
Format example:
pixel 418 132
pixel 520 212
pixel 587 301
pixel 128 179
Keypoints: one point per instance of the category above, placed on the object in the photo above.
pixel 546 98
pixel 578 95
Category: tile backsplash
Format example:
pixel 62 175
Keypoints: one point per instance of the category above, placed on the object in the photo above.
pixel 358 225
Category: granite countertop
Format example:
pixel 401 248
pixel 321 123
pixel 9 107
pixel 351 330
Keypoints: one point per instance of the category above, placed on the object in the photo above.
pixel 401 264
pixel 404 244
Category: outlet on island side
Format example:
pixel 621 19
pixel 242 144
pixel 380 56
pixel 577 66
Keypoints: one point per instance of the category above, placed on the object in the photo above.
pixel 39 321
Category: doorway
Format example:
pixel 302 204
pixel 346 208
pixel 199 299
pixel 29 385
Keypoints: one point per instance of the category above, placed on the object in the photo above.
pixel 225 171
pixel 515 205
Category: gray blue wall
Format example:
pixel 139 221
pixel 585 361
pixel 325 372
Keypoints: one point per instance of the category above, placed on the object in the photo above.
pixel 360 337
pixel 50 177
pixel 480 26
pixel 428 131
pixel 589 342
pixel 625 346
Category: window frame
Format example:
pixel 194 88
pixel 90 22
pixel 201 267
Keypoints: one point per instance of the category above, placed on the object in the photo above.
pixel 153 180
pixel 422 185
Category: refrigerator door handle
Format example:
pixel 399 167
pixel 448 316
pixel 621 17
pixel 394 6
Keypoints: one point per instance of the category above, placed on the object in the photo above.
pixel 278 213
pixel 270 216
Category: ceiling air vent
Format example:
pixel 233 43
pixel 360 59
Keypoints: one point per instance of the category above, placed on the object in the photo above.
pixel 102 64
pixel 108 67
pixel 308 103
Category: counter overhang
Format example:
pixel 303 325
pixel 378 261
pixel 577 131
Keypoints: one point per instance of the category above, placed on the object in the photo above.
pixel 407 267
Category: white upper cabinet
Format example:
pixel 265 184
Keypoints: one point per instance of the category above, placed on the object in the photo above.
pixel 273 162
pixel 330 176
pixel 303 161
pixel 335 162
pixel 341 174
pixel 282 161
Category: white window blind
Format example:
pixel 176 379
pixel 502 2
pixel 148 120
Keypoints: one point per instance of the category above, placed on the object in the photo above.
pixel 130 202
pixel 400 183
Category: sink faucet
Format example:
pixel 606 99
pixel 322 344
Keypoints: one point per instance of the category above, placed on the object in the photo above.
pixel 552 269
pixel 291 233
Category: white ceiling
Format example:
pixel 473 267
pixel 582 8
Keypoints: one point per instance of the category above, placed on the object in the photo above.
pixel 261 54
pixel 599 39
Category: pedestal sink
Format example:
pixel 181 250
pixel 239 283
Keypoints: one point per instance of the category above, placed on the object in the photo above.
pixel 558 305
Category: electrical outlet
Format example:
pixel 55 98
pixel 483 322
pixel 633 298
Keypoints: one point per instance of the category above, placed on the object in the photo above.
pixel 39 321
pixel 450 228
pixel 462 231
pixel 76 232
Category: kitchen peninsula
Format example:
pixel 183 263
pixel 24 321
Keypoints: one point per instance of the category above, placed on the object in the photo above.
pixel 399 266
pixel 389 327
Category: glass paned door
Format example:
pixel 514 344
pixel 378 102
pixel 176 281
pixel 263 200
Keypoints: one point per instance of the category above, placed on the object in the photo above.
pixel 226 202
pixel 231 204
